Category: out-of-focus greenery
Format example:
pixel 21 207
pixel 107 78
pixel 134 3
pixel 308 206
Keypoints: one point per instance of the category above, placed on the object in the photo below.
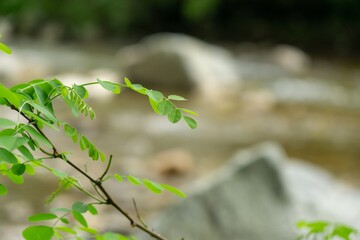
pixel 329 24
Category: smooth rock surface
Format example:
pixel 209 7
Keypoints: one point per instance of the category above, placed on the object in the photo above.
pixel 177 60
pixel 247 200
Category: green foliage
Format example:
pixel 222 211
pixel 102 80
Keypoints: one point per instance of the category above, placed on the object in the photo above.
pixel 327 231
pixel 19 141
pixel 5 48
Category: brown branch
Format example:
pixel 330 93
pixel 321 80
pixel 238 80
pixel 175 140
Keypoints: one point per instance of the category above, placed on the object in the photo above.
pixel 97 183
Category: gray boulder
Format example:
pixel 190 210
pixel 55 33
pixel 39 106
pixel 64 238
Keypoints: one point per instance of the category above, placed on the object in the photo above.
pixel 177 60
pixel 247 200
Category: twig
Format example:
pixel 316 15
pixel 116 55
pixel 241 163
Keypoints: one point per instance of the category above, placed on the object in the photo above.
pixel 98 184
pixel 138 214
pixel 106 170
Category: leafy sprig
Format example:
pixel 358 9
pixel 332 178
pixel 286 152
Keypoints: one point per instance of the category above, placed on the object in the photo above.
pixel 18 140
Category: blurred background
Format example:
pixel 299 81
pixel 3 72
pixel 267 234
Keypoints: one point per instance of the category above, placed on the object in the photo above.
pixel 281 71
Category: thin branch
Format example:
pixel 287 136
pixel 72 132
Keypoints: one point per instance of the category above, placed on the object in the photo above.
pixel 106 170
pixel 138 213
pixel 98 184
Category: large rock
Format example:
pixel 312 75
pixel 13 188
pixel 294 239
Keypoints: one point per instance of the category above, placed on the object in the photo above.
pixel 246 200
pixel 258 196
pixel 176 60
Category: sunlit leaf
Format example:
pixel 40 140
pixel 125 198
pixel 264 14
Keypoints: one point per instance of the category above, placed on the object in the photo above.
pixel 152 186
pixel 80 218
pixel 9 96
pixel 3 190
pixel 38 233
pixel 66 229
pixel 42 217
pixel 15 178
pixel 5 48
pixel 127 82
pixel 174 190
pixel 188 111
pixel 176 98
pixel 134 180
pixel 92 209
pixel 118 177
pixel 88 230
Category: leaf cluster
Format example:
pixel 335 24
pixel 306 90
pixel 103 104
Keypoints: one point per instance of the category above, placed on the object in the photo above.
pixel 327 231
pixel 21 142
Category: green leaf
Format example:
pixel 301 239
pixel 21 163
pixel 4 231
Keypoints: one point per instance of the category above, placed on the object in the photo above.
pixel 7 156
pixel 139 88
pixel 6 123
pixel 3 190
pixel 69 130
pixel 12 142
pixel 64 220
pixel 92 209
pixel 37 136
pixel 80 207
pixel 15 178
pixel 174 116
pixel 127 82
pixel 165 107
pixel 41 95
pixel 11 97
pixel 59 174
pixel 191 122
pixel 30 170
pixel 174 190
pixel 42 217
pixel 26 153
pixel 38 233
pixel 188 111
pixel 80 218
pixel 155 95
pixel 40 120
pixel 177 98
pixel 154 106
pixel 88 230
pixel 81 91
pixel 49 115
pixel 84 143
pixel 113 236
pixel 152 186
pixel 66 210
pixel 66 229
pixel 18 169
pixel 5 48
pixel 118 177
pixel 134 180
pixel 113 87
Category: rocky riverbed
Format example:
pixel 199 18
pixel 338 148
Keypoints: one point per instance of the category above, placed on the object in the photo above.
pixel 311 106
